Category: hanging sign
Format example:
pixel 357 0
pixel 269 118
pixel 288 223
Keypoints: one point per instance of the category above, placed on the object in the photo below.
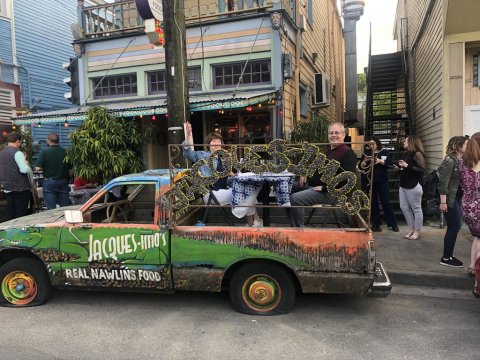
pixel 150 9
pixel 155 33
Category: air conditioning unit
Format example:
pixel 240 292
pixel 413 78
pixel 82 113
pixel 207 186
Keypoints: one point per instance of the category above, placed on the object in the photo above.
pixel 322 90
pixel 287 66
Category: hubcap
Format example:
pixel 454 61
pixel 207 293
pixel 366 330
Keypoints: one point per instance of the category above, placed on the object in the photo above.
pixel 19 288
pixel 261 293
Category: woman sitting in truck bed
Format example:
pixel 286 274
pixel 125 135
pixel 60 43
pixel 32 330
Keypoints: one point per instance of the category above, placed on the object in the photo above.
pixel 220 188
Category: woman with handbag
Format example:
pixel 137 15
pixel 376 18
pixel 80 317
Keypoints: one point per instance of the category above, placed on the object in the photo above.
pixel 451 197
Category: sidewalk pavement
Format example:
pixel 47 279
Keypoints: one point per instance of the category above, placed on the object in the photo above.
pixel 417 262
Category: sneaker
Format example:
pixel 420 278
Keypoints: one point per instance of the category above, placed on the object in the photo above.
pixel 395 228
pixel 376 229
pixel 451 261
pixel 257 223
pixel 460 264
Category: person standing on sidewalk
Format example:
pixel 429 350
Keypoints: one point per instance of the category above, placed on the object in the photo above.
pixel 14 172
pixel 410 192
pixel 379 183
pixel 469 174
pixel 56 173
pixel 451 197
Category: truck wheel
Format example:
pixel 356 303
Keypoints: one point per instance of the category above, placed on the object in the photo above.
pixel 262 289
pixel 24 282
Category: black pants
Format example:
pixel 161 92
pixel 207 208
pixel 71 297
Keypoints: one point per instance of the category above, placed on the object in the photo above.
pixel 453 217
pixel 17 203
pixel 380 191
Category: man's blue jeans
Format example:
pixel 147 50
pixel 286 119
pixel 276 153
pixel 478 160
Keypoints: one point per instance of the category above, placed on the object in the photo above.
pixel 56 192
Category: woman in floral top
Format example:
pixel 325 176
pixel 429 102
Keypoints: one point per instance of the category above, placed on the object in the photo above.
pixel 469 173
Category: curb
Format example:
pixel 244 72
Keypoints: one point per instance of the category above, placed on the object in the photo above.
pixel 430 279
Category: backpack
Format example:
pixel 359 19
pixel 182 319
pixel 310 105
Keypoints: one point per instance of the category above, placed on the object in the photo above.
pixel 431 195
pixel 430 186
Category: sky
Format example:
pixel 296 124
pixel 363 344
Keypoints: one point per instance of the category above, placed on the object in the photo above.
pixel 381 14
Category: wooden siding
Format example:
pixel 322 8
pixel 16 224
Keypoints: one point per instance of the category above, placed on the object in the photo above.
pixel 253 35
pixel 428 59
pixel 245 39
pixel 43 44
pixel 323 36
pixel 40 135
pixel 6 52
pixel 237 40
pixel 289 86
pixel 416 12
pixel 472 94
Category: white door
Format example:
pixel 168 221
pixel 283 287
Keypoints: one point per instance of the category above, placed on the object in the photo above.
pixel 471 125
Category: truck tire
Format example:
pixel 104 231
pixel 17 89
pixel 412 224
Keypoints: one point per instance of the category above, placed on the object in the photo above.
pixel 262 289
pixel 24 282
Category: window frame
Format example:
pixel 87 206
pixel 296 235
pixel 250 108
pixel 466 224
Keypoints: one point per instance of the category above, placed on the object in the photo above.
pixel 199 81
pixel 149 82
pixel 303 94
pixel 108 79
pixel 191 69
pixel 101 200
pixel 230 72
pixel 310 11
pixel 475 82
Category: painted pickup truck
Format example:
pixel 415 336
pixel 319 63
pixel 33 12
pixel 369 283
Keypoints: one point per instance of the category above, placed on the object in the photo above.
pixel 130 237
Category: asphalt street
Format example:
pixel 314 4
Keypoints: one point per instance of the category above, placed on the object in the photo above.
pixel 411 323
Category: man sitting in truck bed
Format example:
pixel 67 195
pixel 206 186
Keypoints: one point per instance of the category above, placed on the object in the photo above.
pixel 315 191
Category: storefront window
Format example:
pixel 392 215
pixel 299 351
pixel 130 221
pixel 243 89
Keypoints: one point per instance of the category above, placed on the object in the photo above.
pixel 240 128
pixel 256 129
pixel 227 126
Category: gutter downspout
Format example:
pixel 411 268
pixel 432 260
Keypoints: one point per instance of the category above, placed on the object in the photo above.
pixel 298 51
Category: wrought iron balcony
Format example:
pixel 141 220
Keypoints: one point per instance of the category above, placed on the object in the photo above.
pixel 122 17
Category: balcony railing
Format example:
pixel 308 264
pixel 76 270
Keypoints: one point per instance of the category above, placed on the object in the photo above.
pixel 122 17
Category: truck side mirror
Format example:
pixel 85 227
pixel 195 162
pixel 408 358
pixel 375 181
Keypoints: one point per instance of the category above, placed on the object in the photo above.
pixel 73 216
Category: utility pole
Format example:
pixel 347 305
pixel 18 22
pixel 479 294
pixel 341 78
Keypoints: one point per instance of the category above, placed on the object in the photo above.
pixel 176 69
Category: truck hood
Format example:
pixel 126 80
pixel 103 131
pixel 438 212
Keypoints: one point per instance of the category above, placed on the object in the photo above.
pixel 44 217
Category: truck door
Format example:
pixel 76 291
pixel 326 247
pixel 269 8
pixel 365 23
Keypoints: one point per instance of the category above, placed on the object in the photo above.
pixel 120 243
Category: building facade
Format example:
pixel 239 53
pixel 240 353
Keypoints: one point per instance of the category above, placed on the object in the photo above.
pixel 252 69
pixel 33 48
pixel 442 39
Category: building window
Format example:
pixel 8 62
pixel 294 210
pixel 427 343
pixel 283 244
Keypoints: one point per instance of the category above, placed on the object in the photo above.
pixel 475 70
pixel 157 81
pixel 255 72
pixel 115 86
pixel 303 100
pixel 195 78
pixel 310 11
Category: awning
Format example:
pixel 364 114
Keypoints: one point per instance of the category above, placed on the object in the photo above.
pixel 204 102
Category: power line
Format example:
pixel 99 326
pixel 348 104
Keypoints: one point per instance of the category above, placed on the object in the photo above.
pixel 108 71
pixel 63 5
pixel 248 58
